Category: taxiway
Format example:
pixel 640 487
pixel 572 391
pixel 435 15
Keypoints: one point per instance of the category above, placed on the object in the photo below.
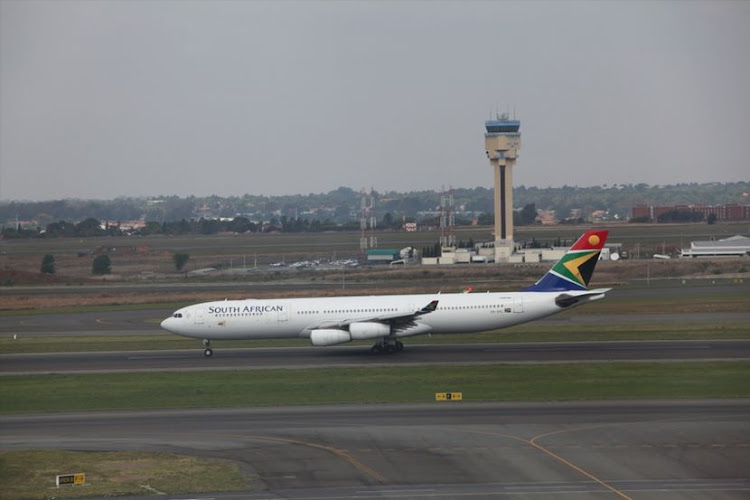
pixel 626 449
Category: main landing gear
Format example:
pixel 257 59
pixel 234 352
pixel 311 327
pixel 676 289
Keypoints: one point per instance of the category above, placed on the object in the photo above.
pixel 387 345
pixel 207 352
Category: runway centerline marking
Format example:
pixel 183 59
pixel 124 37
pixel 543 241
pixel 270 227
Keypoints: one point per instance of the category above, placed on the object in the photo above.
pixel 608 348
pixel 160 357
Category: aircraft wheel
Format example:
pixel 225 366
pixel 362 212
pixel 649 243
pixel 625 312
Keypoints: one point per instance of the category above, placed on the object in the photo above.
pixel 208 353
pixel 399 346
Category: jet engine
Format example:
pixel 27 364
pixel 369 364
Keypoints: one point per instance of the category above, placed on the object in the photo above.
pixel 369 330
pixel 329 336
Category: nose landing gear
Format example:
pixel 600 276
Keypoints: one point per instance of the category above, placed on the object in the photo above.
pixel 207 352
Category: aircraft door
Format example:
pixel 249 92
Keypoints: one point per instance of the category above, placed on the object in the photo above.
pixel 199 314
pixel 283 314
pixel 518 304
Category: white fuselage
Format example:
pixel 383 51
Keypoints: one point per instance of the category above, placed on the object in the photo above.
pixel 289 318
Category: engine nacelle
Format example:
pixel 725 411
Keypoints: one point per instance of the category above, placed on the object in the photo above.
pixel 369 330
pixel 329 336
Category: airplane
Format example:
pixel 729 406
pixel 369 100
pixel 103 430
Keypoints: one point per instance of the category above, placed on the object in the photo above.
pixel 389 318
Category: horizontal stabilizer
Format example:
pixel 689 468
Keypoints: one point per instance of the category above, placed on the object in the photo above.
pixel 572 299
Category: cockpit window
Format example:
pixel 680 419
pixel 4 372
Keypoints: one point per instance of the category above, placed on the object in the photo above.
pixel 177 315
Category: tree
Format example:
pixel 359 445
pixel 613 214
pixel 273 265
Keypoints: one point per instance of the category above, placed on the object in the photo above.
pixel 209 226
pixel 241 225
pixel 711 219
pixel 388 221
pixel 61 228
pixel 526 216
pixel 486 219
pixel 151 227
pixel 48 264
pixel 180 259
pixel 89 227
pixel 102 265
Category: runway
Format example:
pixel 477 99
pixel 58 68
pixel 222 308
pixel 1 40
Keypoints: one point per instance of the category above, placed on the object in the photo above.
pixel 359 356
pixel 626 449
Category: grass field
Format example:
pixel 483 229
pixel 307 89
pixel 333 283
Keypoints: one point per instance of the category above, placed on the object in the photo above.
pixel 142 259
pixel 575 381
pixel 30 474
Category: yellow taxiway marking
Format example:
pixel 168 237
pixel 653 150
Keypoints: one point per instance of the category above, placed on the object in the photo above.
pixel 573 466
pixel 532 442
pixel 336 451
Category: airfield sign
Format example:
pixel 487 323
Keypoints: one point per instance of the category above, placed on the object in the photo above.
pixel 71 480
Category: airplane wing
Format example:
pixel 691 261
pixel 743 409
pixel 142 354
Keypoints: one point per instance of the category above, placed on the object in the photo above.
pixel 395 319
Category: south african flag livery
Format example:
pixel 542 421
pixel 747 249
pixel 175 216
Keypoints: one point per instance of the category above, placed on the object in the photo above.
pixel 574 270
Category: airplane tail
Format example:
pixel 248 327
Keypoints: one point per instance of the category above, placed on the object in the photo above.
pixel 573 271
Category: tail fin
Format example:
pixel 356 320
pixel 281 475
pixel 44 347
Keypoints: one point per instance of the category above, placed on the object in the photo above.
pixel 574 270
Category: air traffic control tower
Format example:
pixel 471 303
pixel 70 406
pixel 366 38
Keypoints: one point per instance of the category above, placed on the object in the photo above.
pixel 502 143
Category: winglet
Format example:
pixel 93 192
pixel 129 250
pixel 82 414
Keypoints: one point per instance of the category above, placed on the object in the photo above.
pixel 573 271
pixel 428 308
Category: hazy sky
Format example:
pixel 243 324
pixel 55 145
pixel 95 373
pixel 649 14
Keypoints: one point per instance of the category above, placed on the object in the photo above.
pixel 100 99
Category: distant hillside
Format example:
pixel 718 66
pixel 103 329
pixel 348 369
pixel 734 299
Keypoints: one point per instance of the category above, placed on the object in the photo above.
pixel 342 205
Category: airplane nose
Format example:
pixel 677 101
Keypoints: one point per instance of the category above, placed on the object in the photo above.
pixel 167 323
